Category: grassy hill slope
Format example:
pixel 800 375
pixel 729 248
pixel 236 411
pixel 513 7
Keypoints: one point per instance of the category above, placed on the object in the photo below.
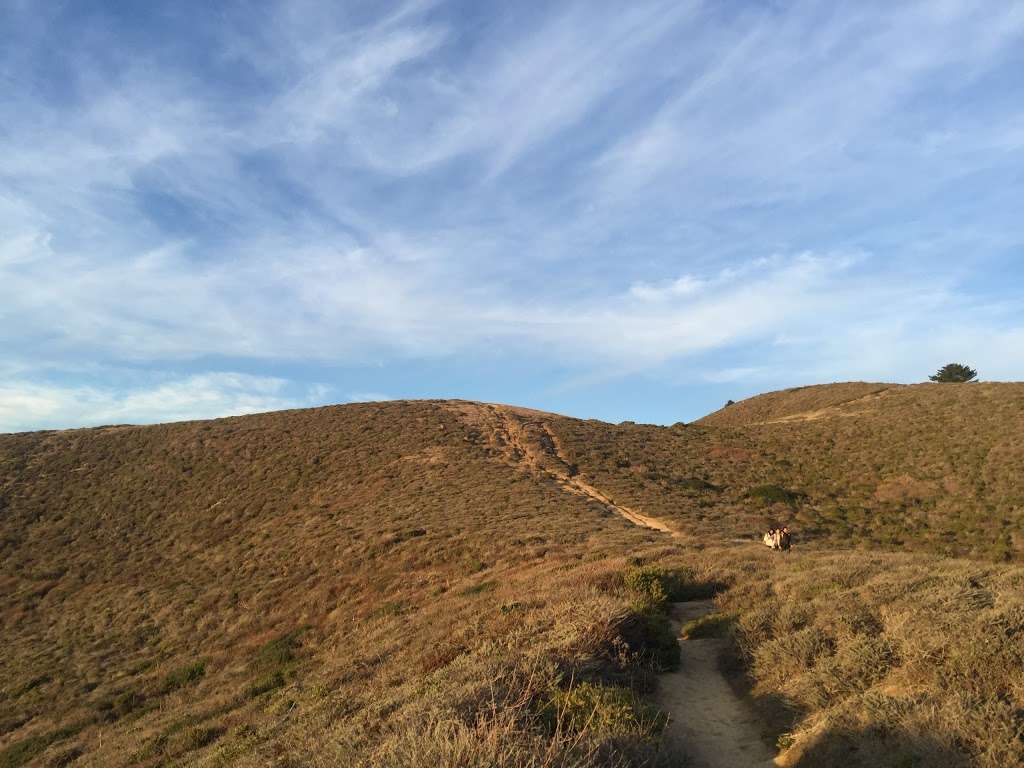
pixel 165 588
pixel 450 583
pixel 799 403
pixel 924 467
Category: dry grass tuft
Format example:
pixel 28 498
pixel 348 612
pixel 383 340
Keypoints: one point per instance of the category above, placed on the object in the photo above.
pixel 880 660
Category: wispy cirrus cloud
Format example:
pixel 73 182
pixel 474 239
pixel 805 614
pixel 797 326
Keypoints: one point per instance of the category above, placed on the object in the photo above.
pixel 29 405
pixel 305 187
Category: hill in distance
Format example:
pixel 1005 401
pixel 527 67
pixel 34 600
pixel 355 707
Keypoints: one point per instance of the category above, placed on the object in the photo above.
pixel 454 583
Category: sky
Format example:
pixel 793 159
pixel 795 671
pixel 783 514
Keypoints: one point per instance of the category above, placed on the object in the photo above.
pixel 610 210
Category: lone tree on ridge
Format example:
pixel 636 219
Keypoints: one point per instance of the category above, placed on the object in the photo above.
pixel 954 373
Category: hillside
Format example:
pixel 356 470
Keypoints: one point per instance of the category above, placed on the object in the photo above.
pixel 800 404
pixel 924 467
pixel 353 534
pixel 452 583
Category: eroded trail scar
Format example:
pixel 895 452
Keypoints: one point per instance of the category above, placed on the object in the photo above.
pixel 545 453
pixel 524 437
pixel 706 719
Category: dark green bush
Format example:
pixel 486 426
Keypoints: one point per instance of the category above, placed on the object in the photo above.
pixel 602 711
pixel 183 676
pixel 712 625
pixel 21 752
pixel 775 494
pixel 197 737
pixel 954 373
pixel 277 652
pixel 655 588
pixel 265 684
pixel 695 484
pixel 648 637
pixel 119 706
pixel 32 684
pixel 477 589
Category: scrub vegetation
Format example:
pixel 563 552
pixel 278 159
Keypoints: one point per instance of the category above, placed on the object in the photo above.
pixel 928 467
pixel 425 583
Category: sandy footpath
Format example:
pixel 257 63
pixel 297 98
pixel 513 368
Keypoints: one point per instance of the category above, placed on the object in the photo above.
pixel 710 723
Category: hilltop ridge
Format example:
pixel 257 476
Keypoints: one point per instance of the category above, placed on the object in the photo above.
pixel 169 592
pixel 797 403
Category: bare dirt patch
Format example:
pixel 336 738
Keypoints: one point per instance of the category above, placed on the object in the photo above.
pixel 716 729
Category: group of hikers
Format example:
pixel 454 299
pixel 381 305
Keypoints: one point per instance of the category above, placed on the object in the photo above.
pixel 778 538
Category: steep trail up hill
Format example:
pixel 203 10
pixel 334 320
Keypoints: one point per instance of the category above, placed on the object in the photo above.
pixel 707 720
pixel 524 437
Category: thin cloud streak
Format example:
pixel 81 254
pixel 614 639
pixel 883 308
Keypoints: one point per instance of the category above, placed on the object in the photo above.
pixel 31 405
pixel 605 189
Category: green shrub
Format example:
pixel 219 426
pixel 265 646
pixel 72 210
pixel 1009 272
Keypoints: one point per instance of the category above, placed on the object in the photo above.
pixel 65 757
pixel 196 737
pixel 21 752
pixel 278 652
pixel 602 711
pixel 695 484
pixel 183 676
pixel 119 706
pixel 273 660
pixel 712 625
pixel 477 589
pixel 954 373
pixel 32 684
pixel 392 608
pixel 775 494
pixel 265 685
pixel 648 637
pixel 654 588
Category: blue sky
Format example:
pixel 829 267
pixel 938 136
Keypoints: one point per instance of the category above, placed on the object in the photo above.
pixel 621 211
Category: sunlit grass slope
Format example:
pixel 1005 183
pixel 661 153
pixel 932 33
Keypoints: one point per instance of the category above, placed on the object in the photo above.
pixel 927 467
pixel 424 583
pixel 299 584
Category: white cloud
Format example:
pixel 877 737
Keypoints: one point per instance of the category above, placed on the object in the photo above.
pixel 344 80
pixel 368 397
pixel 687 285
pixel 787 106
pixel 26 405
pixel 730 375
pixel 348 303
pixel 615 189
pixel 508 98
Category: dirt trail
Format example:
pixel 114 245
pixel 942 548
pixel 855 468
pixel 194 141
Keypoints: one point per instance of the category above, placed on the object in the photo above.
pixel 712 725
pixel 706 719
pixel 542 451
pixel 836 409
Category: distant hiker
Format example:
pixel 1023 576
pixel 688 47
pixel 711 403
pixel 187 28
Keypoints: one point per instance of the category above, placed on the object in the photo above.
pixel 777 538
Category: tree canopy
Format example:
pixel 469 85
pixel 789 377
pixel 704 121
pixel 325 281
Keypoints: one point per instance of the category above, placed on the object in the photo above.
pixel 954 373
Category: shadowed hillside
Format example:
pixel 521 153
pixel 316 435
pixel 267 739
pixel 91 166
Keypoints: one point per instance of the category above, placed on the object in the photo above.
pixel 453 583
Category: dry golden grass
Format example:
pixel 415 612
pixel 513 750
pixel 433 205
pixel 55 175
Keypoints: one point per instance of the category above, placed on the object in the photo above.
pixel 812 402
pixel 927 467
pixel 880 659
pixel 410 584
pixel 344 572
